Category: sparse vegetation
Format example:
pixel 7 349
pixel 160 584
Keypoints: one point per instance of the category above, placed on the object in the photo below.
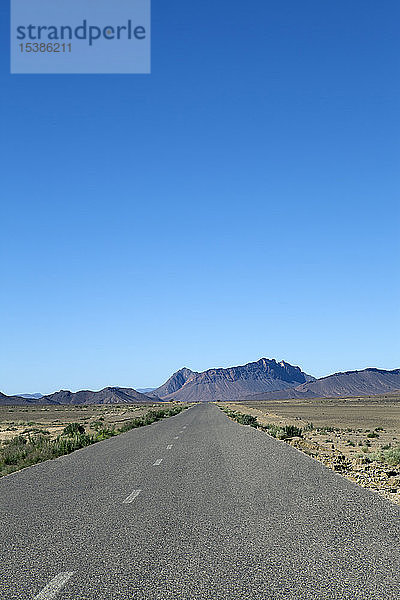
pixel 281 433
pixel 35 445
pixel 73 429
pixel 20 451
pixel 243 419
pixel 389 456
pixel 247 420
pixel 150 417
pixel 337 428
pixel 289 431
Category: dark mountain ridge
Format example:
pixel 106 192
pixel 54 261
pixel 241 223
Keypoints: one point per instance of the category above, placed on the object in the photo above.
pixel 231 383
pixel 366 382
pixel 17 400
pixel 108 395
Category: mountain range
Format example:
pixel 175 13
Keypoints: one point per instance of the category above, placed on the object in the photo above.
pixel 265 375
pixel 367 382
pixel 265 379
pixel 108 395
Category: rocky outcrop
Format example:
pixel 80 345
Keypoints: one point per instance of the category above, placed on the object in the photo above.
pixel 231 383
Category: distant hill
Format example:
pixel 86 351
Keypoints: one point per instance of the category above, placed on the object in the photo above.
pixel 109 395
pixel 145 390
pixel 34 396
pixel 231 383
pixel 19 400
pixel 367 382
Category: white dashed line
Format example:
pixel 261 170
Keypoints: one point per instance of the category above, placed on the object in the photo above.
pixel 54 587
pixel 176 437
pixel 169 446
pixel 132 496
pixel 184 427
pixel 158 462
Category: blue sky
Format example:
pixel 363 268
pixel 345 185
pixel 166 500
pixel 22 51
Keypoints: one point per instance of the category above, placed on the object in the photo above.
pixel 241 201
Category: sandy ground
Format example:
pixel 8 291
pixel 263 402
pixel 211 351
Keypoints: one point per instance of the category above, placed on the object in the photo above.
pixel 16 420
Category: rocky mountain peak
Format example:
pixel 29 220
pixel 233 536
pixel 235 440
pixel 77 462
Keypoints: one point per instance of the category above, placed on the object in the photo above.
pixel 231 383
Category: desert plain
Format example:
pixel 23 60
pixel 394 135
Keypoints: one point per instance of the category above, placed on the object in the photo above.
pixel 348 435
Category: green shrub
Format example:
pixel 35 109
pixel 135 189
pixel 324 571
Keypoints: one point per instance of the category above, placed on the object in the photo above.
pixel 289 431
pixel 150 417
pixel 131 424
pixel 390 456
pixel 21 451
pixel 247 420
pixel 272 429
pixel 103 433
pixel 283 433
pixel 14 450
pixel 73 429
pixel 241 418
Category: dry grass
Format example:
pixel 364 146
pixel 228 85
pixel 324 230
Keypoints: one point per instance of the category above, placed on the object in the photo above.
pixel 18 420
pixel 357 437
pixel 26 443
pixel 354 420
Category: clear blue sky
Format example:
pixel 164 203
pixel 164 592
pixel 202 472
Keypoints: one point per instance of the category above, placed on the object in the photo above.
pixel 241 201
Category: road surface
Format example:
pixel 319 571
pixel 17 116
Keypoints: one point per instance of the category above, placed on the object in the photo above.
pixel 194 507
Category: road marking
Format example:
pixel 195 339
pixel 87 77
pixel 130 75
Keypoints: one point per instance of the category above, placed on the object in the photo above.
pixel 176 437
pixel 184 427
pixel 132 496
pixel 181 431
pixel 169 446
pixel 54 587
pixel 158 462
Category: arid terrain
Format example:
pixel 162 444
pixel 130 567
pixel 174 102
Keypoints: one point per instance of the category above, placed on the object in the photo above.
pixel 29 435
pixel 16 420
pixel 346 434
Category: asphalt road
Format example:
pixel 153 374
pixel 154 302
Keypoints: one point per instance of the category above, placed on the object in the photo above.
pixel 228 513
